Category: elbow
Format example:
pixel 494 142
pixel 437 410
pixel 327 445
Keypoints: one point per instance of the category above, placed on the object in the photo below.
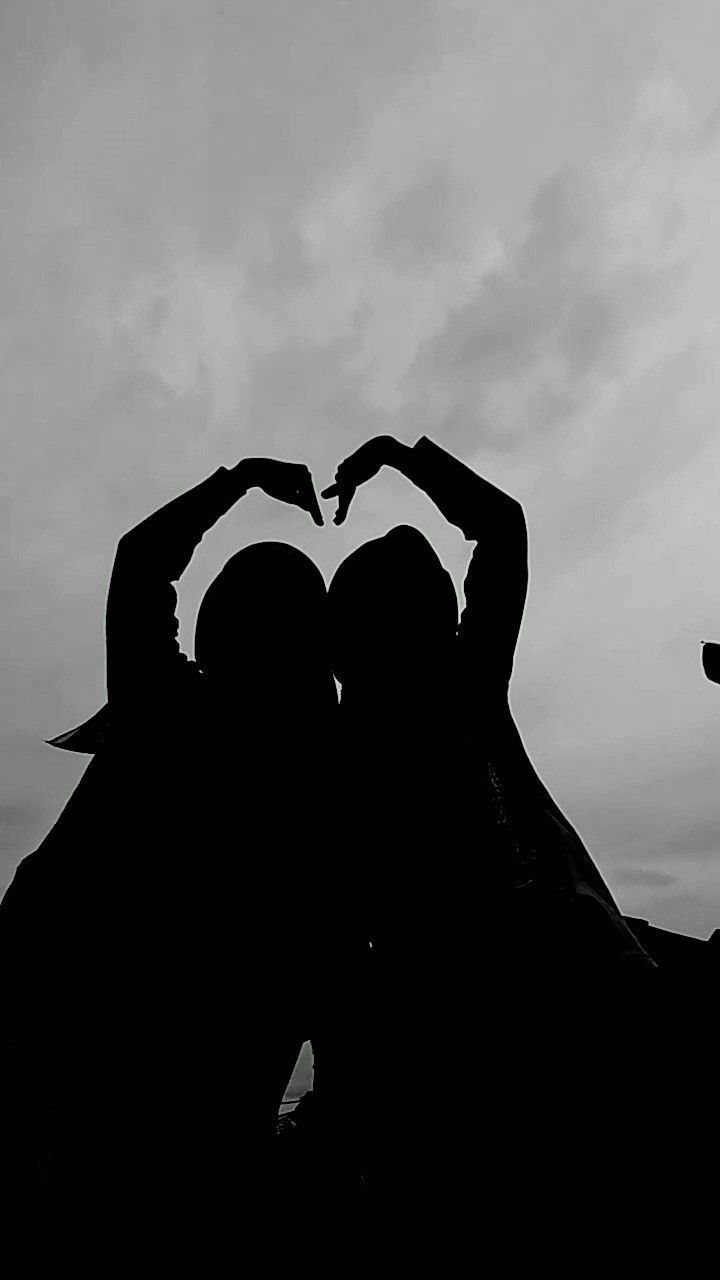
pixel 511 523
pixel 517 512
pixel 519 523
pixel 126 546
pixel 134 548
pixel 129 558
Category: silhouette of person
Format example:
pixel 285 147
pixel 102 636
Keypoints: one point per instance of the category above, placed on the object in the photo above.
pixel 488 917
pixel 711 660
pixel 162 972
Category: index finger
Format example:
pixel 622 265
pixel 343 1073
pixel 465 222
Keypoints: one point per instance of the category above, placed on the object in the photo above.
pixel 345 497
pixel 308 499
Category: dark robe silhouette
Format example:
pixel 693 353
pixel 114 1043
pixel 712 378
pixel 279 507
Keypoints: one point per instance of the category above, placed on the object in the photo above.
pixel 158 946
pixel 497 946
pixel 411 675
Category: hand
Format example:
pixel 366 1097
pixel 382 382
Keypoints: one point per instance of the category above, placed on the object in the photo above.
pixel 359 467
pixel 711 660
pixel 287 481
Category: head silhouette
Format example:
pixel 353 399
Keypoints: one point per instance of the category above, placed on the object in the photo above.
pixel 393 610
pixel 261 630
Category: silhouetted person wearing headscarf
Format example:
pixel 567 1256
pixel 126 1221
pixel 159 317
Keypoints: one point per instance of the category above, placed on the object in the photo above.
pixel 492 929
pixel 157 947
pixel 711 660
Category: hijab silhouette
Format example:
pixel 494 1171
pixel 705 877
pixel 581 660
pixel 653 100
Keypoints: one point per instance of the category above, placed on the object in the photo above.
pixel 393 609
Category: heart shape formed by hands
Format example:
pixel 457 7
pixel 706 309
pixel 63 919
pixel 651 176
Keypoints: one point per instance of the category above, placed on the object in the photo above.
pixel 289 482
pixel 292 482
pixel 361 466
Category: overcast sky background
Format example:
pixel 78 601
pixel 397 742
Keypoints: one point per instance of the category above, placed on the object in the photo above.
pixel 255 226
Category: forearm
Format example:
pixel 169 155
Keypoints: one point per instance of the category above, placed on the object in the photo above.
pixel 465 498
pixel 141 626
pixel 497 577
pixel 162 545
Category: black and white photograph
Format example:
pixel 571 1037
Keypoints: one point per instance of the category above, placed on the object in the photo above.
pixel 360 636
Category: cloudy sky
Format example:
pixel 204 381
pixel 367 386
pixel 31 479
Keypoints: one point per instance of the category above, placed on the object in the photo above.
pixel 283 226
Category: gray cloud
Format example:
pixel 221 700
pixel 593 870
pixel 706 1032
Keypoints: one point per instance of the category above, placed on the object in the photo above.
pixel 22 823
pixel 643 877
pixel 19 814
pixel 281 228
pixel 426 222
pixel 551 311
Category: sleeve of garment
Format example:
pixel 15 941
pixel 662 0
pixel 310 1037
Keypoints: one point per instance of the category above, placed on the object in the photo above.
pixel 143 655
pixel 497 577
pixel 26 942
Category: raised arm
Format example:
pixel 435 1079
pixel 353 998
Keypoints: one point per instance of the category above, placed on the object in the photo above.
pixel 497 577
pixel 143 655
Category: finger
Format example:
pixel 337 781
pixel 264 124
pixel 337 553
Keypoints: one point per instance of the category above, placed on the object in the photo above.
pixel 313 505
pixel 332 491
pixel 307 502
pixel 316 513
pixel 345 497
pixel 305 495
